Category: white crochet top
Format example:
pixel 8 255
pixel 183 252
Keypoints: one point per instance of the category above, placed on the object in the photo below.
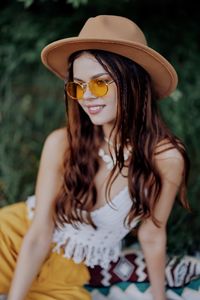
pixel 94 246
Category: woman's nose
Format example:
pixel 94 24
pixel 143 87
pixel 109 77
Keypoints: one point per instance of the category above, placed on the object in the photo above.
pixel 88 94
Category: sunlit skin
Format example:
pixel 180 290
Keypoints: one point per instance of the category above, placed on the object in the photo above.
pixel 101 110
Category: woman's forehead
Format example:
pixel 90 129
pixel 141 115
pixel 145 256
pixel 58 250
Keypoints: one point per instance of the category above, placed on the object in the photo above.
pixel 86 65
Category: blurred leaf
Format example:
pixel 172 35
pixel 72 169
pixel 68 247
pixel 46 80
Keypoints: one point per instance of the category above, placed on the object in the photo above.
pixel 77 3
pixel 27 3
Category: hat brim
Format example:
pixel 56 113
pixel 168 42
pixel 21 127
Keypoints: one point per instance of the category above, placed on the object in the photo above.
pixel 164 78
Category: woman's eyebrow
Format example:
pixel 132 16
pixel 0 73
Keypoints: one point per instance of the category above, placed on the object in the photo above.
pixel 93 77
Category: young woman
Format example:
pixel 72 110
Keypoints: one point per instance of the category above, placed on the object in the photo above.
pixel 114 167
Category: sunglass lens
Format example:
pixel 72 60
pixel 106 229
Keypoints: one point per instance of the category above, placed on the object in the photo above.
pixel 98 87
pixel 74 90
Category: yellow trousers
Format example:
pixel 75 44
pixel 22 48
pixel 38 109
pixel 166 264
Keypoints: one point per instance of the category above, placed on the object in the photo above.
pixel 58 279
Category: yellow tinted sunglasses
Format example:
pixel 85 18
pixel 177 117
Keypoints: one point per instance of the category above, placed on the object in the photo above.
pixel 98 88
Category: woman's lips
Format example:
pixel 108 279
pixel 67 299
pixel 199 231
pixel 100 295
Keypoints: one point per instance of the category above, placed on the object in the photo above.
pixel 95 109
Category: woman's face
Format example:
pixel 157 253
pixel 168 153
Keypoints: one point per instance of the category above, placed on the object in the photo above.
pixel 101 110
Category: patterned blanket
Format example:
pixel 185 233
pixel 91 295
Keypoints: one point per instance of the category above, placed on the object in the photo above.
pixel 127 279
pixel 141 291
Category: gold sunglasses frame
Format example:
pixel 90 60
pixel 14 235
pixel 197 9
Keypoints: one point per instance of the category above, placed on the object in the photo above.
pixel 84 85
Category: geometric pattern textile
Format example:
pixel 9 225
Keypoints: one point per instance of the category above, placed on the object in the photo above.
pixel 130 291
pixel 179 271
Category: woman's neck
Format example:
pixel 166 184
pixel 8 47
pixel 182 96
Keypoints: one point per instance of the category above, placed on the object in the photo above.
pixel 109 133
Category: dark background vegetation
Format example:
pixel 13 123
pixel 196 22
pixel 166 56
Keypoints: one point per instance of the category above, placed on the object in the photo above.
pixel 31 98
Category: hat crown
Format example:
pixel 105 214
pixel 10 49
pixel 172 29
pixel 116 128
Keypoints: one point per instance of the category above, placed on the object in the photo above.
pixel 110 27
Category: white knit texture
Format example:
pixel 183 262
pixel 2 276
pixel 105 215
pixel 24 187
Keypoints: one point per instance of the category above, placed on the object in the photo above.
pixel 94 246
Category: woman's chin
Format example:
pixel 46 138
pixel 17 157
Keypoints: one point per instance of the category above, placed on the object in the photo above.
pixel 101 122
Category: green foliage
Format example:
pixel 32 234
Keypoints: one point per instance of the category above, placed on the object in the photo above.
pixel 31 98
pixel 77 3
pixel 74 3
pixel 27 3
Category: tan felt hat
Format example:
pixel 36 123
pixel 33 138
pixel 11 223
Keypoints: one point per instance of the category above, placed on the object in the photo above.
pixel 115 34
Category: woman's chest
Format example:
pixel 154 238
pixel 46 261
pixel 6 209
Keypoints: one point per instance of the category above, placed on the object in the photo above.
pixel 106 193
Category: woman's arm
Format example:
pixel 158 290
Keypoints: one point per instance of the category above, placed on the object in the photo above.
pixel 36 243
pixel 152 238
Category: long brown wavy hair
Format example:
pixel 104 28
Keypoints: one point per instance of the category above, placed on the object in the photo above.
pixel 138 124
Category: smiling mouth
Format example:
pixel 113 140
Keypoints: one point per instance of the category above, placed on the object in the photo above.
pixel 95 109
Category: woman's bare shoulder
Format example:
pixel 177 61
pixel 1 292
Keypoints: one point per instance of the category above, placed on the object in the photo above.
pixel 54 148
pixel 169 161
pixel 166 150
pixel 50 173
pixel 57 138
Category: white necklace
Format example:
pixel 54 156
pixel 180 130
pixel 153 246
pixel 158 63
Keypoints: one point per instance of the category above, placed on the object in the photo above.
pixel 109 142
pixel 110 162
pixel 107 158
